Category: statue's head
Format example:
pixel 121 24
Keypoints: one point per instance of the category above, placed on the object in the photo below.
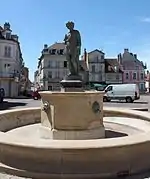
pixel 70 25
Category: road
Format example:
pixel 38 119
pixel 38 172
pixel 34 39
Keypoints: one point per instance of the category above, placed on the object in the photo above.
pixel 22 103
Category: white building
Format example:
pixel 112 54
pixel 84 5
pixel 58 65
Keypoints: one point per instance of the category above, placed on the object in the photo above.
pixel 96 66
pixel 10 61
pixel 52 67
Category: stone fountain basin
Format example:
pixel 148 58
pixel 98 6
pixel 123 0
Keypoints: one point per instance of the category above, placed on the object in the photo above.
pixel 63 158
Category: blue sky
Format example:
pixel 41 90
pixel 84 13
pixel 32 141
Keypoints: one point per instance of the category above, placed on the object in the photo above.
pixel 111 25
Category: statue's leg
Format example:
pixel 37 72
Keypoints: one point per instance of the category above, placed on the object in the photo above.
pixel 70 64
pixel 77 63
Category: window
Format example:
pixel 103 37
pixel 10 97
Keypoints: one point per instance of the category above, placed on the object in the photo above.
pixel 50 64
pixel 141 86
pixel 57 74
pixel 7 67
pixel 134 76
pixel 61 65
pixel 53 51
pixel 93 68
pixel 142 76
pixel 54 64
pixel 49 74
pixel 117 76
pixel 137 67
pixel 127 76
pixel 109 68
pixel 110 88
pixel 61 52
pixel 50 88
pixel 17 54
pixel 65 64
pixel 57 64
pixel 7 51
pixel 102 57
pixel 8 35
pixel 115 68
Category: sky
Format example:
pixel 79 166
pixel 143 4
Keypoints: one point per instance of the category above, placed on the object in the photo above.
pixel 108 25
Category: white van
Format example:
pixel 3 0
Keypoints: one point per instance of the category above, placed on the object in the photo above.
pixel 128 92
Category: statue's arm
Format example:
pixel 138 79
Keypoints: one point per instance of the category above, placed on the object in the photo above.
pixel 65 39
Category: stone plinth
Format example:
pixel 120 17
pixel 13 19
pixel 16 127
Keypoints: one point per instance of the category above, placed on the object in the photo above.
pixel 72 85
pixel 72 115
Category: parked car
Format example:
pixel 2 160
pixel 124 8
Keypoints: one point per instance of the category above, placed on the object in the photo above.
pixel 36 95
pixel 128 92
pixel 2 94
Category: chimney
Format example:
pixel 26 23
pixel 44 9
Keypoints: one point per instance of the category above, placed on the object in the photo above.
pixel 45 46
pixel 119 56
pixel 6 26
pixel 85 55
pixel 86 58
pixel 126 50
pixel 135 56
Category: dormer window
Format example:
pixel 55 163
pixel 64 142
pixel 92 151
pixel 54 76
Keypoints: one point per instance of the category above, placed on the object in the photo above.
pixel 45 50
pixel 53 51
pixel 8 35
pixel 61 51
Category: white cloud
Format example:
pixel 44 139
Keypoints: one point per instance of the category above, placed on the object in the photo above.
pixel 145 19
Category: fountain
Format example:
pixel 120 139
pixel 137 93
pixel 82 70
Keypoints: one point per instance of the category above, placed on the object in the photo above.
pixel 72 136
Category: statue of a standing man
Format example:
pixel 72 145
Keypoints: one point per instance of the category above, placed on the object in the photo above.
pixel 73 49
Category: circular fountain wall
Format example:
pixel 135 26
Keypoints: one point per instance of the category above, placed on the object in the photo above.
pixel 35 157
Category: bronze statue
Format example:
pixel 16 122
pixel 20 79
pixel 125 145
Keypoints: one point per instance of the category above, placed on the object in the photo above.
pixel 73 49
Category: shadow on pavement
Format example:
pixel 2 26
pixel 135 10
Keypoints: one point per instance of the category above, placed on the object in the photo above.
pixel 8 105
pixel 141 102
pixel 135 102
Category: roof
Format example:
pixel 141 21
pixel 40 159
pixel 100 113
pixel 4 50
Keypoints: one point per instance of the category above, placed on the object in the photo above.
pixel 132 63
pixel 113 62
pixel 57 46
pixel 83 65
pixel 96 50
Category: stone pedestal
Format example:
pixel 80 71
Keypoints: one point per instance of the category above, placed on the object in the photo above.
pixel 72 115
pixel 71 86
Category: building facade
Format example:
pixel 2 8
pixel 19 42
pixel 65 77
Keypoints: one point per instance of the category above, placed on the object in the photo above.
pixel 11 61
pixel 52 67
pixel 25 83
pixel 113 71
pixel 96 66
pixel 147 81
pixel 133 69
